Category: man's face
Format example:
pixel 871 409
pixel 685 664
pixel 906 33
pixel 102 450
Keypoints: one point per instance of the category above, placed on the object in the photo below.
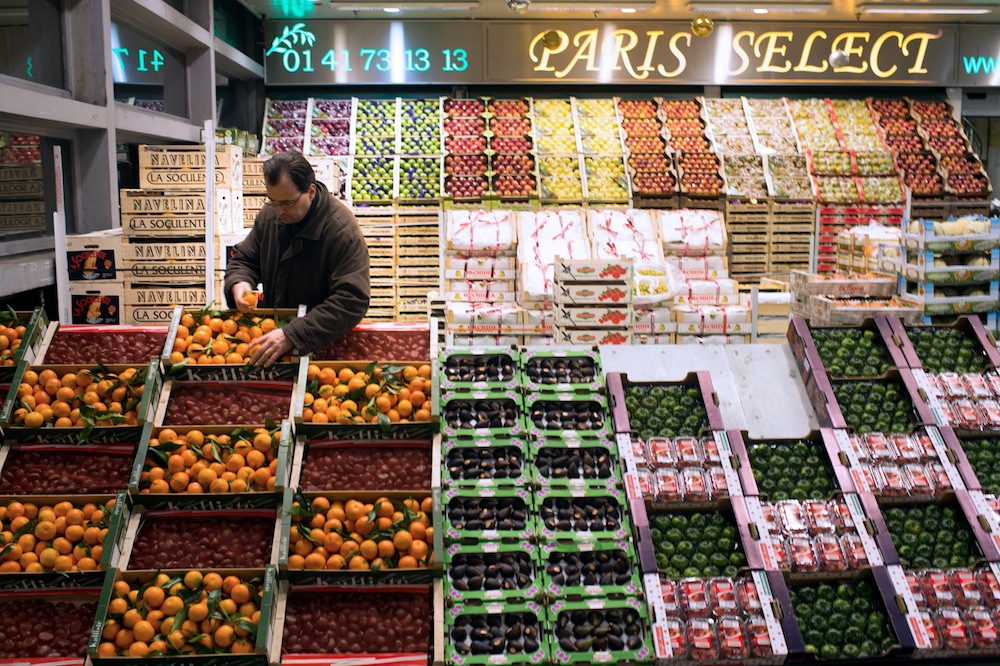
pixel 289 204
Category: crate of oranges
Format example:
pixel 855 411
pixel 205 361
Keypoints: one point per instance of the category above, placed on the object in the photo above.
pixel 60 540
pixel 359 538
pixel 20 336
pixel 66 403
pixel 212 467
pixel 359 401
pixel 213 617
pixel 219 344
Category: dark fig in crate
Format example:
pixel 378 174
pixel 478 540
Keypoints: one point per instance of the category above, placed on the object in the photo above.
pixel 488 514
pixel 471 464
pixel 566 415
pixel 798 471
pixel 499 634
pixel 37 628
pixel 491 571
pixel 587 463
pixel 498 368
pixel 602 567
pixel 875 406
pixel 842 620
pixel 481 414
pixel 666 411
pixel 337 622
pixel 579 514
pixel 848 352
pixel 573 370
pixel 696 545
pixel 599 630
pixel 946 350
pixel 932 536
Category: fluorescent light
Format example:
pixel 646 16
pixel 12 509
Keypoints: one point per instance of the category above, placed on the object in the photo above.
pixel 396 8
pixel 760 9
pixel 918 10
pixel 592 6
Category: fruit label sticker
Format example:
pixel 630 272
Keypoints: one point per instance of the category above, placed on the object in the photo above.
pixel 853 502
pixel 774 632
pixel 992 517
pixel 595 604
pixel 725 455
pixel 856 471
pixel 933 396
pixel 494 608
pixel 902 589
pixel 942 453
pixel 661 638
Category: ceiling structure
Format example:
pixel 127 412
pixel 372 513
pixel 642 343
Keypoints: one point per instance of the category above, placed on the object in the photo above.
pixel 823 11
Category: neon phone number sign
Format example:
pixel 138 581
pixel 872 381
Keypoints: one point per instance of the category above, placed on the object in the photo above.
pixel 330 52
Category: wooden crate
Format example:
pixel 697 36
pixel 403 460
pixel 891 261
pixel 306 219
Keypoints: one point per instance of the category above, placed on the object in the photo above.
pixel 186 180
pixel 22 216
pixel 702 202
pixel 189 157
pixel 147 214
pixel 137 294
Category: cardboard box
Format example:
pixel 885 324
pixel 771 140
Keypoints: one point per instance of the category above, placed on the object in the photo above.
pixel 92 303
pixel 95 256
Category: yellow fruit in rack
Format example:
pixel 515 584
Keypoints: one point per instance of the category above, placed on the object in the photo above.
pixel 96 397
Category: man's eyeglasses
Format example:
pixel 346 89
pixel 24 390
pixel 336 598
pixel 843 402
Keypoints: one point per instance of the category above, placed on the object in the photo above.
pixel 283 204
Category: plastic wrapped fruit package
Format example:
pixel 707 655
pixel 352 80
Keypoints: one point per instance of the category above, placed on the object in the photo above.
pixel 952 630
pixel 694 599
pixel 982 628
pixel 599 630
pixel 854 550
pixel 965 588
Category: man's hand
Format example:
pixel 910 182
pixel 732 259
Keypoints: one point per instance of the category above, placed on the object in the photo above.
pixel 240 291
pixel 270 347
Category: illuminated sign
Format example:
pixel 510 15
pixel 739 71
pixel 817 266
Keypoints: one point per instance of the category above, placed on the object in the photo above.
pixel 359 52
pixel 332 52
pixel 733 53
pixel 136 59
pixel 979 56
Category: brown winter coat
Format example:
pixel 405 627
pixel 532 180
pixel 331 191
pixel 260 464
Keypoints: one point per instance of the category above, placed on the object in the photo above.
pixel 325 266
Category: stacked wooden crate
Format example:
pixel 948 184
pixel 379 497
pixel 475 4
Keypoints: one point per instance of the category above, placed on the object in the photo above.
pixel 380 236
pixel 747 227
pixel 418 264
pixel 790 231
pixel 164 248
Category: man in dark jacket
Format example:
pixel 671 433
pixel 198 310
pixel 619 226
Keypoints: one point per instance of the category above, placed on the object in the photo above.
pixel 305 247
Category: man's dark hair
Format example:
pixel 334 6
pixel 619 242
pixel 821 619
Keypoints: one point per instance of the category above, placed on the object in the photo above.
pixel 295 165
